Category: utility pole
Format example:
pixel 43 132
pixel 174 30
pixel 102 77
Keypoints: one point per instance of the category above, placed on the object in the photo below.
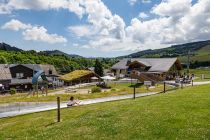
pixel 188 62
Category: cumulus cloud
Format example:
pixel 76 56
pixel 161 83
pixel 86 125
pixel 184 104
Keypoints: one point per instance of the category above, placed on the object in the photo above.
pixel 40 34
pixel 35 33
pixel 146 1
pixel 132 2
pixel 143 15
pixel 15 25
pixel 101 22
pixel 8 6
pixel 81 30
pixel 180 22
pixel 172 7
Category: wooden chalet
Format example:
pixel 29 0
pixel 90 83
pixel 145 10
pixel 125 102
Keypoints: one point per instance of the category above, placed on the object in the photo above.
pixel 150 68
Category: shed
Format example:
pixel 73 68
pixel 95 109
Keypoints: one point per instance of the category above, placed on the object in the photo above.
pixel 78 76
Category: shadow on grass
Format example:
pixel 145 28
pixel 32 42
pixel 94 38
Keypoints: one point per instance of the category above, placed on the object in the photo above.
pixel 50 124
pixel 137 85
pixel 172 89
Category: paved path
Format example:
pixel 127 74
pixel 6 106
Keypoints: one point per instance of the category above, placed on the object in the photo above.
pixel 14 109
pixel 201 83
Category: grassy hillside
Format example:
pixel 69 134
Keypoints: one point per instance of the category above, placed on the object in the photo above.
pixel 200 53
pixel 182 114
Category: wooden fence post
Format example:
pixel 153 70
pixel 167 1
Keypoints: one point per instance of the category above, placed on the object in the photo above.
pixel 58 109
pixel 192 82
pixel 181 85
pixel 164 90
pixel 134 92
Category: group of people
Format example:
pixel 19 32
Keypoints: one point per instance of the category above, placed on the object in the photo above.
pixel 185 78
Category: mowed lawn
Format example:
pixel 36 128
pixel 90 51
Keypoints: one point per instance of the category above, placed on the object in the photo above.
pixel 178 114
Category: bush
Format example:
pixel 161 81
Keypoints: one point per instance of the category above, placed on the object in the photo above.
pixel 13 91
pixel 95 89
pixel 113 89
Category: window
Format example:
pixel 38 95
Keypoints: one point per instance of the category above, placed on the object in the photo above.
pixel 19 75
pixel 50 71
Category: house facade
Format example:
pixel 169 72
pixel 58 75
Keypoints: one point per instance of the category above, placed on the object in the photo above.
pixel 165 68
pixel 21 75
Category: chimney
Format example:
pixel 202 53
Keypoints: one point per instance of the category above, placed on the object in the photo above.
pixel 128 61
pixel 6 65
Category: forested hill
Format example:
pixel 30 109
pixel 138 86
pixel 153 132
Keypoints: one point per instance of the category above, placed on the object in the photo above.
pixel 64 63
pixel 57 52
pixel 7 47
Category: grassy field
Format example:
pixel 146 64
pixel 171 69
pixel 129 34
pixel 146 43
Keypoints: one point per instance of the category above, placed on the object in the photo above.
pixel 201 55
pixel 182 114
pixel 199 72
pixel 117 89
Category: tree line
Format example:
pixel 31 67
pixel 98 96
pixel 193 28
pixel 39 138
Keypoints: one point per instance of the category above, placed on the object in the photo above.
pixel 62 63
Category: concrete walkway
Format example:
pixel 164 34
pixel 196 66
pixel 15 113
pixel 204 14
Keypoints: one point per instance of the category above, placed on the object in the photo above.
pixel 15 109
pixel 201 83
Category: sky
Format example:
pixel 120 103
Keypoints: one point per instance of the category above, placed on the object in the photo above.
pixel 103 28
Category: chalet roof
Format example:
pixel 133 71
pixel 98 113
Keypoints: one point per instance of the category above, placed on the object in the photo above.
pixel 38 67
pixel 77 74
pixel 155 64
pixel 5 72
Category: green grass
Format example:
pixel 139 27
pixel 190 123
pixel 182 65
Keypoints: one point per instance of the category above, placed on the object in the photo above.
pixel 199 72
pixel 182 114
pixel 201 55
pixel 119 89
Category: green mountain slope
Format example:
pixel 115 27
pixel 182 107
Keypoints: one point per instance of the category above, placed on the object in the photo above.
pixel 7 47
pixel 199 53
pixel 57 52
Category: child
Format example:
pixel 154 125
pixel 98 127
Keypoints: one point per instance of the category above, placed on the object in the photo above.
pixel 72 102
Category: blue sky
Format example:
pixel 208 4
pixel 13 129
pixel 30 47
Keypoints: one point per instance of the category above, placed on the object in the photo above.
pixel 104 28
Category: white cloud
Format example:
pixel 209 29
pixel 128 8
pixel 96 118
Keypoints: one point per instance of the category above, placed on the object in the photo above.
pixel 40 34
pixel 35 33
pixel 143 15
pixel 15 25
pixel 172 7
pixel 146 1
pixel 101 21
pixel 177 24
pixel 7 6
pixel 81 30
pixel 132 2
